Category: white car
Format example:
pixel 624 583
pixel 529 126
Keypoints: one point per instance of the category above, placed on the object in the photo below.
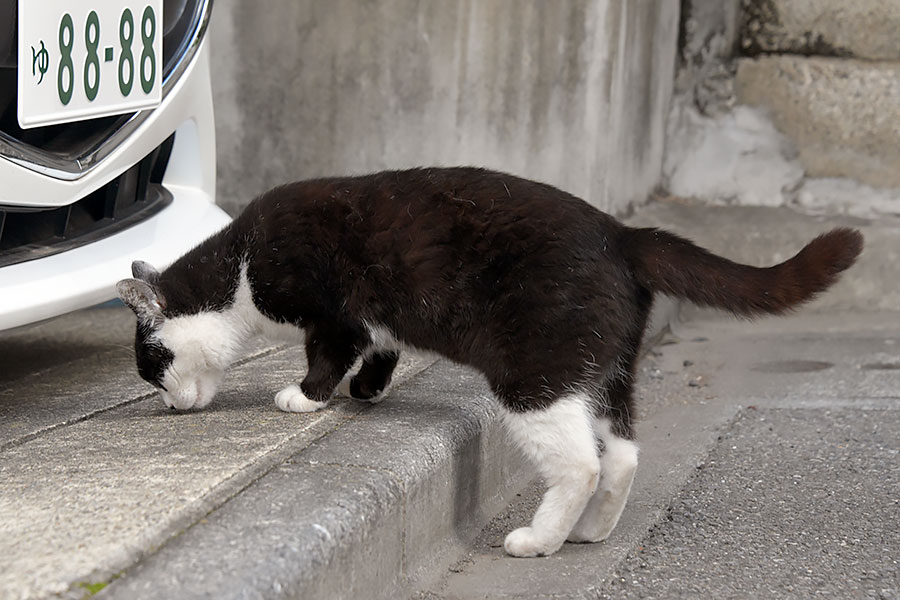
pixel 107 147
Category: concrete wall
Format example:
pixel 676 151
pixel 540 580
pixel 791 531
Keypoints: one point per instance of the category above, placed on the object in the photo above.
pixel 571 92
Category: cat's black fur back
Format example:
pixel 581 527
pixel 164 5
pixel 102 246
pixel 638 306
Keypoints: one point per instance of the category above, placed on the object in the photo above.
pixel 531 286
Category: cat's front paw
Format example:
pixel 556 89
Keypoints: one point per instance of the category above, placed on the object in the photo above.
pixel 292 399
pixel 524 542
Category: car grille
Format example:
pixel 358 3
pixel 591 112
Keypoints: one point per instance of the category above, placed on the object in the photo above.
pixel 132 197
pixel 73 145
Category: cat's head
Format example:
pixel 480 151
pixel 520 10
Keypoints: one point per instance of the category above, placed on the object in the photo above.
pixel 184 356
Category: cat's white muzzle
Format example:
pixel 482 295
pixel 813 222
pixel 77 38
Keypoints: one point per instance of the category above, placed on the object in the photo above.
pixel 197 393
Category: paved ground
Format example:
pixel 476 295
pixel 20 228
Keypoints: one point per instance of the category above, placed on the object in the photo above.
pixel 95 472
pixel 792 502
pixel 769 468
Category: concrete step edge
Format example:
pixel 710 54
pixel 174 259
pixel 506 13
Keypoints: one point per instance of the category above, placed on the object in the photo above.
pixel 369 503
pixel 839 113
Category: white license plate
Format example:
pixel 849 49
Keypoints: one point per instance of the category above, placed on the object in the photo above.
pixel 80 59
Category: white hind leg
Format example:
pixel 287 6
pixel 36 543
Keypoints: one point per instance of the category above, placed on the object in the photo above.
pixel 560 441
pixel 617 465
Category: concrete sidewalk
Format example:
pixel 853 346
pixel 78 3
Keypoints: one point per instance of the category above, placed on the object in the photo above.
pixel 97 477
pixel 102 488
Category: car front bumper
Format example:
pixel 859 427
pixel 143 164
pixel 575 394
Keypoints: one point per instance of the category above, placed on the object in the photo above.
pixel 45 287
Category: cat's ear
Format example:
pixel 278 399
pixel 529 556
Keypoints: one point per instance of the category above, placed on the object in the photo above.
pixel 146 302
pixel 144 271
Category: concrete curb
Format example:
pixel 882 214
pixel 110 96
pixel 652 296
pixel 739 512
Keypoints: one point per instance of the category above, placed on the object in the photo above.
pixel 366 511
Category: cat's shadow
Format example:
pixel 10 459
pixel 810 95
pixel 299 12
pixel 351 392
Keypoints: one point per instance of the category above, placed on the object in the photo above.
pixel 256 400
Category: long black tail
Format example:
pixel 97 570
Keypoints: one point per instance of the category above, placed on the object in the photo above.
pixel 670 264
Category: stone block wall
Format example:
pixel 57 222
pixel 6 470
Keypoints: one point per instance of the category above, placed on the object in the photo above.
pixel 828 73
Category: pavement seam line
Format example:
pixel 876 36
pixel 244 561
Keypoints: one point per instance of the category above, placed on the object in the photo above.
pixel 69 422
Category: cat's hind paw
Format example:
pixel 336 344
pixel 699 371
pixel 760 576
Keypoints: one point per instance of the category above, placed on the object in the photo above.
pixel 344 390
pixel 524 542
pixel 292 399
pixel 586 537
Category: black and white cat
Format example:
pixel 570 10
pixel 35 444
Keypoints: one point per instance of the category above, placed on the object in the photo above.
pixel 542 293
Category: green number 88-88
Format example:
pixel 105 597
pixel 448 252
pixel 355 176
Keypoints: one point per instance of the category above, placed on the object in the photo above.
pixel 65 80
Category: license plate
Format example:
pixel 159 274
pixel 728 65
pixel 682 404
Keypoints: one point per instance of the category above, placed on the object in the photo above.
pixel 80 59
